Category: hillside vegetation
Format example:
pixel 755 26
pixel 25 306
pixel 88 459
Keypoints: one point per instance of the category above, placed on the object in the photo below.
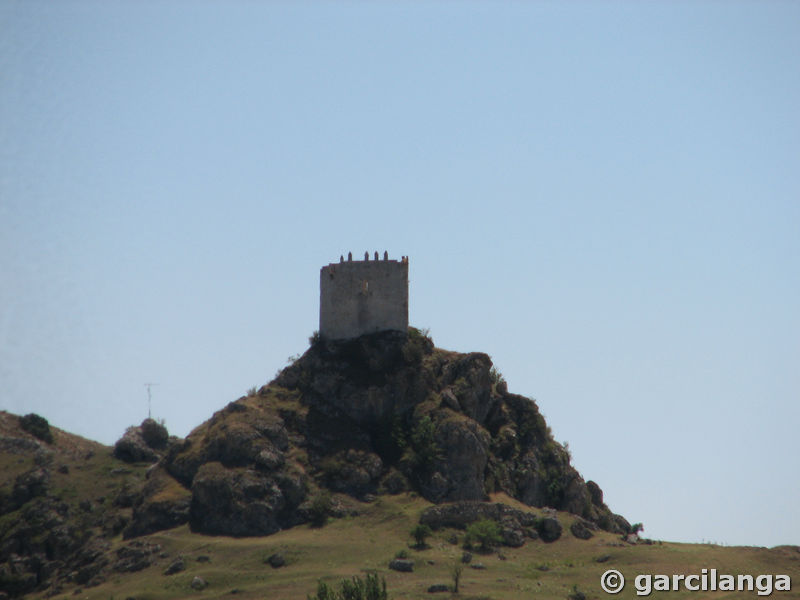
pixel 324 474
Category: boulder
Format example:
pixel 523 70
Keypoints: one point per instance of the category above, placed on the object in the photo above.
pixel 198 583
pixel 176 566
pixel 595 493
pixel 401 564
pixel 438 587
pixel 132 448
pixel 549 529
pixel 277 560
pixel 243 502
pixel 29 485
pixel 581 530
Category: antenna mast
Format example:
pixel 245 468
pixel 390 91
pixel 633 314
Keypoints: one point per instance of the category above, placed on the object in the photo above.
pixel 149 397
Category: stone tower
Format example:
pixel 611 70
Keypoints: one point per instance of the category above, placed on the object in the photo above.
pixel 363 296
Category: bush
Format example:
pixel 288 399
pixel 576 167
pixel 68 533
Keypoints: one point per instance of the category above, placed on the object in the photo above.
pixel 485 532
pixel 417 345
pixel 320 508
pixel 353 589
pixel 37 426
pixel 423 443
pixel 401 554
pixel 495 376
pixel 419 533
pixel 154 433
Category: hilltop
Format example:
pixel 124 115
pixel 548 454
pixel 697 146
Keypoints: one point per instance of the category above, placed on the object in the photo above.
pixel 383 413
pixel 328 467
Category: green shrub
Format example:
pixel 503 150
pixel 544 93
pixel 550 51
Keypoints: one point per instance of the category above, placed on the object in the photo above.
pixel 37 426
pixel 417 345
pixel 320 509
pixel 154 434
pixel 420 533
pixel 353 589
pixel 423 443
pixel 495 376
pixel 485 532
pixel 401 553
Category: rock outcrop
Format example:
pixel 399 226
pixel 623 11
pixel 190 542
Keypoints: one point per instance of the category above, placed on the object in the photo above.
pixel 383 413
pixel 146 443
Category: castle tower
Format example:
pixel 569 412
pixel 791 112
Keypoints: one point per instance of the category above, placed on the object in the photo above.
pixel 363 296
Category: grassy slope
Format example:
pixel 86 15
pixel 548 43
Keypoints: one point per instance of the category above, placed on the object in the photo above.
pixel 353 545
pixel 80 469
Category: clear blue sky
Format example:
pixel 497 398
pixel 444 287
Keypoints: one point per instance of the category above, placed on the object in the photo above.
pixel 604 196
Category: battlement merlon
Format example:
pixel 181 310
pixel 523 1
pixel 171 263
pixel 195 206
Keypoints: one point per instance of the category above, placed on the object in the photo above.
pixel 363 296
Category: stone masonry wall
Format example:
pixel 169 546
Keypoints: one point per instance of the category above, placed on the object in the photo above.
pixel 358 297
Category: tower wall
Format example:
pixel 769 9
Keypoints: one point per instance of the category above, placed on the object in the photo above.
pixel 358 297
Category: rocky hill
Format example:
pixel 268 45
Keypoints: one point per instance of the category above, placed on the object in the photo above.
pixel 384 413
pixel 347 422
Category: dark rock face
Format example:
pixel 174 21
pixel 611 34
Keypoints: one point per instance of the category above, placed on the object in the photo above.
pixel 28 486
pixel 242 502
pixel 161 504
pixel 234 502
pixel 43 539
pixel 595 493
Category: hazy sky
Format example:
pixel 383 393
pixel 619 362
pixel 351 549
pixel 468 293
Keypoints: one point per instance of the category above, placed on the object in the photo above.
pixel 603 196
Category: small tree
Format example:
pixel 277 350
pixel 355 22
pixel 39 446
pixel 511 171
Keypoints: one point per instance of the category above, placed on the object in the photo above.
pixel 419 533
pixel 455 573
pixel 637 527
pixel 486 533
